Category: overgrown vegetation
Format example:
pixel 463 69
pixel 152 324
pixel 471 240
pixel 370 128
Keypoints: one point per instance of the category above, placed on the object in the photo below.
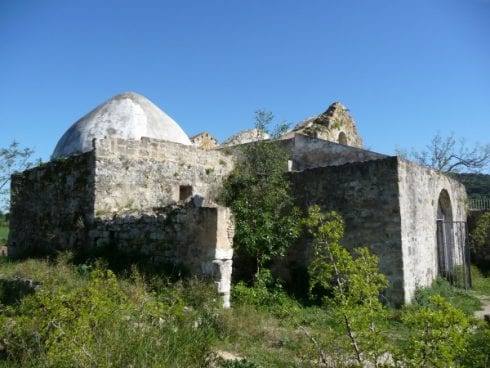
pixel 353 285
pixel 4 229
pixel 259 195
pixel 86 316
pixel 481 232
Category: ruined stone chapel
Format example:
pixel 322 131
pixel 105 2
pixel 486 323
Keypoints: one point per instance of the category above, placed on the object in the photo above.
pixel 127 176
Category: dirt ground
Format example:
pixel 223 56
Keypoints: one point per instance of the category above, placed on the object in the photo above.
pixel 485 311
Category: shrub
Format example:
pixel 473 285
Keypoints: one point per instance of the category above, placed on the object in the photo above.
pixel 101 323
pixel 267 294
pixel 259 195
pixel 438 334
pixel 353 283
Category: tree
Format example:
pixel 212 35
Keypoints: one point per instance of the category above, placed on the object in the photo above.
pixel 479 234
pixel 353 283
pixel 446 154
pixel 14 158
pixel 259 195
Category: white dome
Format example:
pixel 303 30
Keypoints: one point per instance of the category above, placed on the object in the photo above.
pixel 128 116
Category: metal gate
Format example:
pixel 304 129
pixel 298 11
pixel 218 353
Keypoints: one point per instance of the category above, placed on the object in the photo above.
pixel 454 253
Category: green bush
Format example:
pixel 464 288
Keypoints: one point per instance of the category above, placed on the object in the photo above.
pixel 259 194
pixel 105 323
pixel 353 284
pixel 477 352
pixel 438 334
pixel 459 298
pixel 267 293
pixel 481 284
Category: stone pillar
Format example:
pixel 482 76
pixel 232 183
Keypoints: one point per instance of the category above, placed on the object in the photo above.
pixel 222 274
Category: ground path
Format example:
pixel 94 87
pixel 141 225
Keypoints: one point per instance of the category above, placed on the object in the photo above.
pixel 485 301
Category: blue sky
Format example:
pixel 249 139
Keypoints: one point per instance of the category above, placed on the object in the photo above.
pixel 405 69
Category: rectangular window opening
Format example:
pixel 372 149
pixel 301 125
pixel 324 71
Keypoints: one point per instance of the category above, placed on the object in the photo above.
pixel 185 191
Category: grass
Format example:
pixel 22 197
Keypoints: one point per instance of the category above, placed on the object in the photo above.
pixel 460 298
pixel 149 321
pixel 481 284
pixel 4 233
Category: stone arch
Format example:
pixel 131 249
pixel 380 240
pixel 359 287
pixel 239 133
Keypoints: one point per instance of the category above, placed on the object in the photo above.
pixel 342 138
pixel 445 236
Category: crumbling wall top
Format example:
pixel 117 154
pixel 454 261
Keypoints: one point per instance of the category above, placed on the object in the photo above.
pixel 335 125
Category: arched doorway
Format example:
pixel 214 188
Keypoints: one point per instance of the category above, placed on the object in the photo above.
pixel 445 236
pixel 342 138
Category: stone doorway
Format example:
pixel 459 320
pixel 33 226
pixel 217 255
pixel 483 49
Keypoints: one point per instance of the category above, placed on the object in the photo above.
pixel 452 245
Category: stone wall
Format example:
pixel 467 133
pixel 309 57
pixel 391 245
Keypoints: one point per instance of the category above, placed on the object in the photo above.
pixel 194 234
pixel 420 189
pixel 335 125
pixel 52 205
pixel 148 198
pixel 308 152
pixel 366 195
pixel 146 174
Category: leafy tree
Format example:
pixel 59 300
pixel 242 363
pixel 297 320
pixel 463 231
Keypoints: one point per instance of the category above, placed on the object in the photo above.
pixel 12 159
pixel 353 283
pixel 259 195
pixel 446 154
pixel 479 234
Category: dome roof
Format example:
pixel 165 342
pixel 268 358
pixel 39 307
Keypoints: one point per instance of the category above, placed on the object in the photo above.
pixel 127 115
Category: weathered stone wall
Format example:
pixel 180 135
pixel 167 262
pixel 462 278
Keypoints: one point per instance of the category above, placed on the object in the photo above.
pixel 308 152
pixel 146 174
pixel 419 189
pixel 135 197
pixel 335 125
pixel 195 235
pixel 305 152
pixel 204 140
pixel 52 205
pixel 366 195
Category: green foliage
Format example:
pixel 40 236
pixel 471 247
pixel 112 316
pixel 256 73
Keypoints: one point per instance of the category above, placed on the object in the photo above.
pixel 101 321
pixel 267 293
pixel 4 233
pixel 354 284
pixel 477 351
pixel 259 195
pixel 143 320
pixel 480 234
pixel 477 185
pixel 480 283
pixel 459 298
pixel 14 158
pixel 438 334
